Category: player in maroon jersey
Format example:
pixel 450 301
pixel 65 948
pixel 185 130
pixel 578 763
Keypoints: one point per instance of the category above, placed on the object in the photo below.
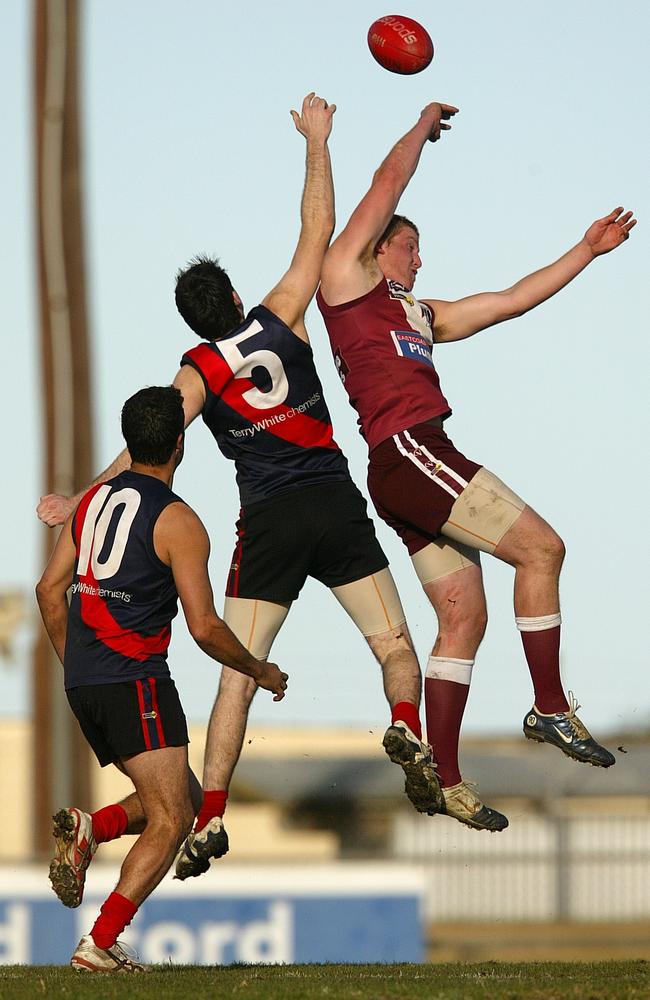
pixel 444 506
pixel 254 382
pixel 129 551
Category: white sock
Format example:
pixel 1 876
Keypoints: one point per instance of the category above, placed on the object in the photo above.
pixel 446 668
pixel 539 624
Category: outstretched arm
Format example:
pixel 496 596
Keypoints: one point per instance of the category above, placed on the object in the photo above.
pixel 55 508
pixel 293 293
pixel 181 541
pixel 465 317
pixel 350 268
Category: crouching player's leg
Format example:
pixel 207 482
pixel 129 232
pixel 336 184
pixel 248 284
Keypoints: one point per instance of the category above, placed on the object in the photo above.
pixel 162 782
pixel 375 607
pixel 150 747
pixel 256 624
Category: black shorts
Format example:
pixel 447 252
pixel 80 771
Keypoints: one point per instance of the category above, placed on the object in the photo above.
pixel 321 531
pixel 127 718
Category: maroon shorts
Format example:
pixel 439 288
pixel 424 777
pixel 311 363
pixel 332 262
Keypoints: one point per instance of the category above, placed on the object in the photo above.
pixel 414 478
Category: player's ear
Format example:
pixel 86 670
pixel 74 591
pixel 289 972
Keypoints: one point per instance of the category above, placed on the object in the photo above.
pixel 180 448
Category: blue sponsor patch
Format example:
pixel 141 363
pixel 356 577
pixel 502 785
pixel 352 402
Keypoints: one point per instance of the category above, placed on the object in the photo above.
pixel 412 345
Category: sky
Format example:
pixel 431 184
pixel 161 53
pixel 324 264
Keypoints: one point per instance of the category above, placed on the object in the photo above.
pixel 188 147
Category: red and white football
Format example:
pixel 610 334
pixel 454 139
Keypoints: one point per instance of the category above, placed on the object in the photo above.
pixel 400 44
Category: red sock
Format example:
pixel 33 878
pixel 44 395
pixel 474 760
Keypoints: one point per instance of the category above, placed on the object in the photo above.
pixel 406 711
pixel 116 912
pixel 445 704
pixel 214 804
pixel 109 823
pixel 542 649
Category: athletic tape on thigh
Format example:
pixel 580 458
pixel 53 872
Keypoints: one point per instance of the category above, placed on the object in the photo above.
pixel 255 623
pixel 442 557
pixel 483 512
pixel 372 603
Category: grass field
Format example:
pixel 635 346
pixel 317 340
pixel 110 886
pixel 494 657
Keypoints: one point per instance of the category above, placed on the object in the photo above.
pixel 498 980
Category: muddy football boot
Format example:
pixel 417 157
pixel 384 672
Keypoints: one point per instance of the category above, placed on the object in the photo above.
pixel 197 850
pixel 414 757
pixel 75 845
pixel 462 803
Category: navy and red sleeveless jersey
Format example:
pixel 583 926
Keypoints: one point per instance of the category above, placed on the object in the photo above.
pixel 123 597
pixel 383 349
pixel 265 407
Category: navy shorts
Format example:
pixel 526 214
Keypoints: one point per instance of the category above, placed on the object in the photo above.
pixel 322 531
pixel 130 717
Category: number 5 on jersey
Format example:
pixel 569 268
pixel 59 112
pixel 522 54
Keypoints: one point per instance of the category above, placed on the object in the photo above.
pixel 242 366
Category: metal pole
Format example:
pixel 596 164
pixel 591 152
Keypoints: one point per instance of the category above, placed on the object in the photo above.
pixel 61 758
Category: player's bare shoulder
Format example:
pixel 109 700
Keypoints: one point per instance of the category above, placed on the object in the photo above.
pixel 349 271
pixel 178 529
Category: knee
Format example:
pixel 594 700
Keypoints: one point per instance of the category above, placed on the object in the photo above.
pixel 393 645
pixel 550 550
pixel 558 549
pixel 235 685
pixel 474 623
pixel 172 826
pixel 462 617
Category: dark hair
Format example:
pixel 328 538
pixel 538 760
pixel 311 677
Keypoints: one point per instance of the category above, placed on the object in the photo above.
pixel 392 229
pixel 204 298
pixel 152 419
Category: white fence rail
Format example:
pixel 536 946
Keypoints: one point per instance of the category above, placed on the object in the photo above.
pixel 540 868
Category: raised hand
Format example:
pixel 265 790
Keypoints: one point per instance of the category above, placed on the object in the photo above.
pixel 315 118
pixel 608 233
pixel 439 115
pixel 55 509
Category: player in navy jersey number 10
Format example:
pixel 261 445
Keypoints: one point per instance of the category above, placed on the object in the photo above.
pixel 254 382
pixel 445 507
pixel 129 551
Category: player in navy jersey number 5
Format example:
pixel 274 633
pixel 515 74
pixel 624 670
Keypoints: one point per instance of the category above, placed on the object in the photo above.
pixel 445 507
pixel 254 382
pixel 129 551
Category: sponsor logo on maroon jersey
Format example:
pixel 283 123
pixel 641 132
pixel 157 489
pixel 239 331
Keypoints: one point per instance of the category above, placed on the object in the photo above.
pixel 341 365
pixel 412 346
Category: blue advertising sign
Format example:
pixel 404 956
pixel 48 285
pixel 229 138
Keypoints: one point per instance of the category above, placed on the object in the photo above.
pixel 333 913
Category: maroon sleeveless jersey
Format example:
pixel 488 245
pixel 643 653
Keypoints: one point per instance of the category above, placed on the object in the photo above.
pixel 382 345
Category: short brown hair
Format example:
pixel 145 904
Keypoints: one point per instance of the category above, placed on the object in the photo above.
pixel 392 229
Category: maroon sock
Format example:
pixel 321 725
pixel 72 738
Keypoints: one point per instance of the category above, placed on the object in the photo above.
pixel 116 912
pixel 109 823
pixel 214 804
pixel 542 649
pixel 406 711
pixel 445 704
